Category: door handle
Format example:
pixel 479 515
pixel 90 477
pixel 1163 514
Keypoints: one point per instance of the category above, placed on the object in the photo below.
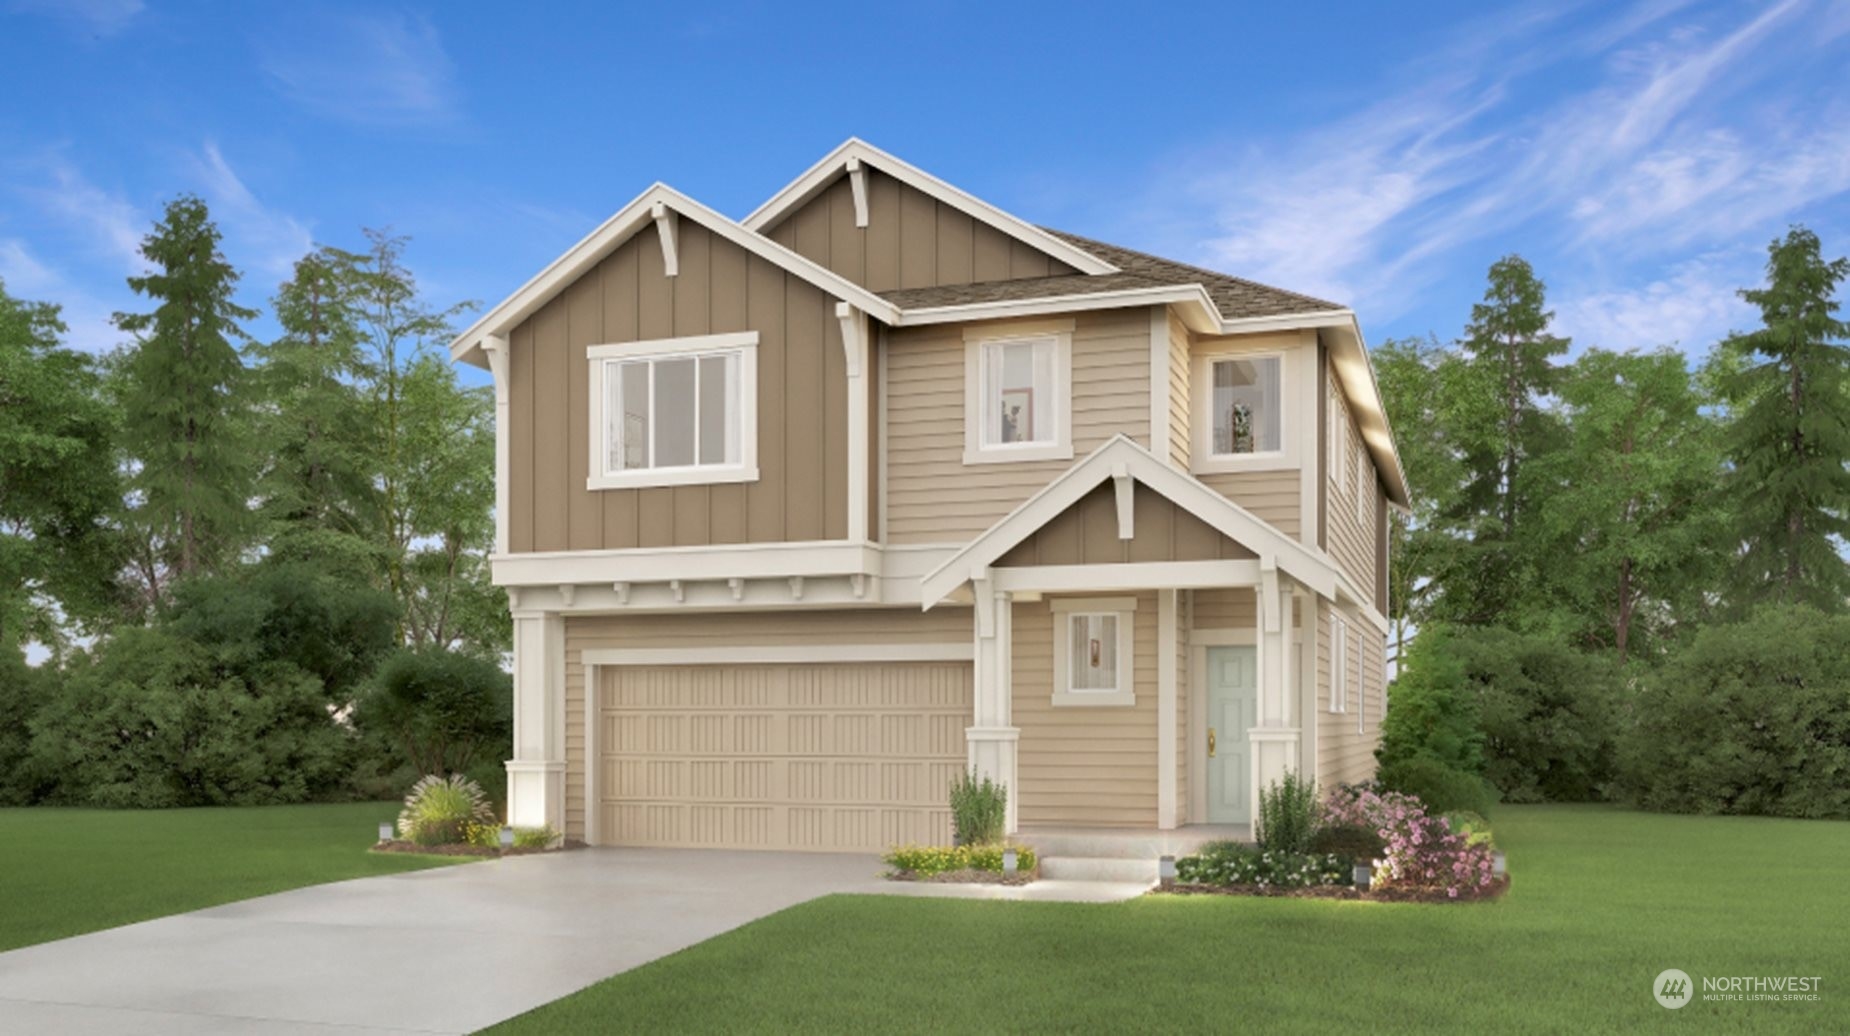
pixel 1210 742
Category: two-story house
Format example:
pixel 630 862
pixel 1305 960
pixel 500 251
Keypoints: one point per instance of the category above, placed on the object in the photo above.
pixel 802 515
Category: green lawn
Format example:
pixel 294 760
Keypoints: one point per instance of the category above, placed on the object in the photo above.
pixel 1603 900
pixel 68 871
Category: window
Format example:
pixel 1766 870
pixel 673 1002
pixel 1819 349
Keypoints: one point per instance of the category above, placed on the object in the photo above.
pixel 1339 435
pixel 1364 494
pixel 1339 665
pixel 1092 651
pixel 1245 405
pixel 674 412
pixel 1361 688
pixel 1017 398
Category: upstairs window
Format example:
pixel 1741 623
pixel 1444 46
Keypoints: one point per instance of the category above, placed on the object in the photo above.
pixel 1017 398
pixel 1246 405
pixel 1339 665
pixel 674 412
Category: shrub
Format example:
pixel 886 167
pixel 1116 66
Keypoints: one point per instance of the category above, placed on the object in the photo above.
pixel 928 860
pixel 534 837
pixel 1353 842
pixel 1546 712
pixel 1288 813
pixel 1751 717
pixel 1430 712
pixel 440 709
pixel 441 810
pixel 1420 850
pixel 1440 787
pixel 1230 863
pixel 979 810
pixel 1473 826
pixel 150 719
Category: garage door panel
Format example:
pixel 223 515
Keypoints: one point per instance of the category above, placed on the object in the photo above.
pixel 824 757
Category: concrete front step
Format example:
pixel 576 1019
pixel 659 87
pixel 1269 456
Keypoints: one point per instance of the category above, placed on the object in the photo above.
pixel 1099 869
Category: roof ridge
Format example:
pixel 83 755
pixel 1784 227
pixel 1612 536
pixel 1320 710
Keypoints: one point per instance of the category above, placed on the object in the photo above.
pixel 1084 242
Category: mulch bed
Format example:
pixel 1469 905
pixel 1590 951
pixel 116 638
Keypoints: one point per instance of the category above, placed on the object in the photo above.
pixel 965 877
pixel 1387 894
pixel 397 846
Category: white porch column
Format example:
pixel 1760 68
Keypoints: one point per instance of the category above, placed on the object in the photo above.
pixel 1168 810
pixel 1275 736
pixel 536 774
pixel 993 737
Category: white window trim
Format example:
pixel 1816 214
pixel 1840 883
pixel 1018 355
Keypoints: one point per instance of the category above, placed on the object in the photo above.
pixel 1297 421
pixel 1339 437
pixel 745 343
pixel 1339 667
pixel 1361 688
pixel 1361 486
pixel 1064 608
pixel 1061 448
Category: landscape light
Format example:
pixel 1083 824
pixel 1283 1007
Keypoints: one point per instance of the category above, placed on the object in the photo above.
pixel 385 831
pixel 1166 871
pixel 507 838
pixel 1009 860
pixel 1364 875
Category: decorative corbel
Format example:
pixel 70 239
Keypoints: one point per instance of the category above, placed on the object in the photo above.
pixel 665 225
pixel 857 182
pixel 1269 603
pixel 680 594
pixel 622 590
pixel 796 588
pixel 737 586
pixel 567 594
pixel 1125 488
pixel 852 329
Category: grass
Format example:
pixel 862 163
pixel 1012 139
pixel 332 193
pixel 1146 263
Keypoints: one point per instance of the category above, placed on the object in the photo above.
pixel 68 871
pixel 1602 900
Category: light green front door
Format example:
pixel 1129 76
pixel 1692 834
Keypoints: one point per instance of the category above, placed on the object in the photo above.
pixel 1233 708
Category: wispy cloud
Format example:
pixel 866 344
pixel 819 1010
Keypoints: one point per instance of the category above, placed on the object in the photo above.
pixel 106 219
pixel 98 17
pixel 86 318
pixel 387 70
pixel 1679 134
pixel 264 237
pixel 1695 303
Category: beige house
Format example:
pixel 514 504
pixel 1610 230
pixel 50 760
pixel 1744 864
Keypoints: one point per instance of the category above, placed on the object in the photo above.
pixel 801 515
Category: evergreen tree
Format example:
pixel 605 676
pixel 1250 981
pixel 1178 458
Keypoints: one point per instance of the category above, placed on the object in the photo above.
pixel 57 481
pixel 184 424
pixel 316 489
pixel 1495 395
pixel 1790 439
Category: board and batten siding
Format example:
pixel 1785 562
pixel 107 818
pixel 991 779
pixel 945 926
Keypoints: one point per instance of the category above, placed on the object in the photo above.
pixel 1087 534
pixel 1083 766
pixel 931 495
pixel 802 485
pixel 946 624
pixel 911 240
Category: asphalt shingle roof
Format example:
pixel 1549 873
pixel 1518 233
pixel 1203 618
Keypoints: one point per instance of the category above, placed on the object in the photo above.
pixel 1234 296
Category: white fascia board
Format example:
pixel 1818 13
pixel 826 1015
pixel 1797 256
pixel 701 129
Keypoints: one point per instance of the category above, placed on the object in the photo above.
pixel 781 654
pixel 1192 298
pixel 824 172
pixel 1185 491
pixel 466 347
pixel 1356 375
pixel 1137 575
pixel 655 564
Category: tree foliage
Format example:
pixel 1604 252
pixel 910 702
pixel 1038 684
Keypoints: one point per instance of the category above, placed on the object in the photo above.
pixel 440 709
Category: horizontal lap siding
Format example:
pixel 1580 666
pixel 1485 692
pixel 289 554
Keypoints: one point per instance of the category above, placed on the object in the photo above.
pixel 1344 757
pixel 801 490
pixel 911 240
pixel 1272 496
pixel 932 496
pixel 1353 539
pixel 942 625
pixel 1180 403
pixel 1084 766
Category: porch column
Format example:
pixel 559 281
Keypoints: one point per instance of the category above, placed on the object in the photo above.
pixel 1168 648
pixel 1275 736
pixel 536 774
pixel 993 737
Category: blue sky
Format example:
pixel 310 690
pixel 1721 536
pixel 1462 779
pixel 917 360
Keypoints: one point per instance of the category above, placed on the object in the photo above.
pixel 1641 155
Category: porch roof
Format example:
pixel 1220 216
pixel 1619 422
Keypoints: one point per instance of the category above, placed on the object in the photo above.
pixel 1129 464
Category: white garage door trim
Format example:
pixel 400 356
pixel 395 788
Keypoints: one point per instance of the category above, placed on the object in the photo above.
pixel 770 654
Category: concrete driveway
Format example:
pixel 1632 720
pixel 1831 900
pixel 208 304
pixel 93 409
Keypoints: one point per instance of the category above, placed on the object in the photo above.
pixel 440 951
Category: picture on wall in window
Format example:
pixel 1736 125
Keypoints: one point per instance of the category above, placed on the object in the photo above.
pixel 1017 414
pixel 1095 651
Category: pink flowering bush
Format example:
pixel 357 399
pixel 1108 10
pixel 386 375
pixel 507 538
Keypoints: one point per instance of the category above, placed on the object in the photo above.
pixel 1422 851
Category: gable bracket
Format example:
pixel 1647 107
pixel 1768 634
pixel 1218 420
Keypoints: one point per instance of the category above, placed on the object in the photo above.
pixel 1125 489
pixel 852 328
pixel 665 225
pixel 857 182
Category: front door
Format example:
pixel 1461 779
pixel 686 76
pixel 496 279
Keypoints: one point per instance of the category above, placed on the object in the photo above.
pixel 1233 708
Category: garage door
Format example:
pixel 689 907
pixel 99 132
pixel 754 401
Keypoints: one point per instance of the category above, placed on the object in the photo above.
pixel 808 757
